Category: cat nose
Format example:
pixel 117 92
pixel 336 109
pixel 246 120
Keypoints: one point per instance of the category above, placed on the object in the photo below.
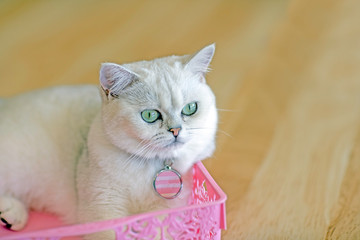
pixel 175 131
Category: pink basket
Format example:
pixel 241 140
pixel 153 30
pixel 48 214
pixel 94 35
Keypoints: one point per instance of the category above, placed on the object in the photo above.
pixel 203 219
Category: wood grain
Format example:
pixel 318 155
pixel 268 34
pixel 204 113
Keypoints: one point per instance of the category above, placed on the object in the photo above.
pixel 287 79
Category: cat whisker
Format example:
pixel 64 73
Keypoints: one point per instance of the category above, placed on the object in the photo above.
pixel 218 130
pixel 225 133
pixel 199 128
pixel 158 136
pixel 227 110
pixel 136 155
pixel 145 157
pixel 145 151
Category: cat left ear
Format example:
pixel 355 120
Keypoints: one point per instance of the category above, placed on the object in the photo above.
pixel 199 63
pixel 114 78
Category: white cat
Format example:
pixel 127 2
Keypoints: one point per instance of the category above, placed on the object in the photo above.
pixel 86 157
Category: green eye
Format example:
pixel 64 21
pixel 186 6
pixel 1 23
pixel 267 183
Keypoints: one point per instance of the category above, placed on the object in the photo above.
pixel 189 109
pixel 150 116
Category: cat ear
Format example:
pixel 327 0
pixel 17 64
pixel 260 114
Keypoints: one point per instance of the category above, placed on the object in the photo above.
pixel 115 78
pixel 199 63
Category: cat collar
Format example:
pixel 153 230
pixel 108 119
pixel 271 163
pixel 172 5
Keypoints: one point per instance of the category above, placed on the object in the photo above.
pixel 168 182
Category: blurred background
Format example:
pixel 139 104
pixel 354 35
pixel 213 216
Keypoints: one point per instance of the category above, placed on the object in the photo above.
pixel 286 74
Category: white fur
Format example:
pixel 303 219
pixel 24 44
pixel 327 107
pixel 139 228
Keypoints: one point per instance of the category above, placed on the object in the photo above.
pixel 41 134
pixel 69 151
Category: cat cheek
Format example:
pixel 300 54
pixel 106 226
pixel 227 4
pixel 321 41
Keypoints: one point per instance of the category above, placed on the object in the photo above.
pixel 148 131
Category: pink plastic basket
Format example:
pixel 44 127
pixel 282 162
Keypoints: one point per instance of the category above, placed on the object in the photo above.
pixel 204 218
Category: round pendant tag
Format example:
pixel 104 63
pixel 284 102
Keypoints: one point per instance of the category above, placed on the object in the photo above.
pixel 168 183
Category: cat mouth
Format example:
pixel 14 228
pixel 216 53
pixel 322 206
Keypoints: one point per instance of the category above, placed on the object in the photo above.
pixel 175 144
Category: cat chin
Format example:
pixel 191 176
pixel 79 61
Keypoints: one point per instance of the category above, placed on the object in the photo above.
pixel 172 151
pixel 169 152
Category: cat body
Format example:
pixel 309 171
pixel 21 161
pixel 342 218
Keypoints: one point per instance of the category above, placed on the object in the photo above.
pixel 88 156
pixel 42 134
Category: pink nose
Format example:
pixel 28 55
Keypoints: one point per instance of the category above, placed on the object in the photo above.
pixel 175 131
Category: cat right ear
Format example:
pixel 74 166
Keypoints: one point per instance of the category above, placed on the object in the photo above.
pixel 114 78
pixel 199 63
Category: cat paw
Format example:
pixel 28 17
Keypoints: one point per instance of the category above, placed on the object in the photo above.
pixel 13 213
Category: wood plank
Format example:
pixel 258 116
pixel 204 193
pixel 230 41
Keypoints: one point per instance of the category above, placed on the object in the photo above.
pixel 287 82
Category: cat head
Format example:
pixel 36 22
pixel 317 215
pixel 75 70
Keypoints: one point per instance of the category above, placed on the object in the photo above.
pixel 161 108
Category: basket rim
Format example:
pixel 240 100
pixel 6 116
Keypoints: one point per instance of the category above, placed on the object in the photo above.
pixel 103 225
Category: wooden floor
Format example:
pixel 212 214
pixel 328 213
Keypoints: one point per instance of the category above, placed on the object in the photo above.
pixel 287 79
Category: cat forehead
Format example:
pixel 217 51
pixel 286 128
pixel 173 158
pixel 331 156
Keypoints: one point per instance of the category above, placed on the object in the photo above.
pixel 164 83
pixel 168 91
pixel 168 68
pixel 165 95
pixel 168 81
